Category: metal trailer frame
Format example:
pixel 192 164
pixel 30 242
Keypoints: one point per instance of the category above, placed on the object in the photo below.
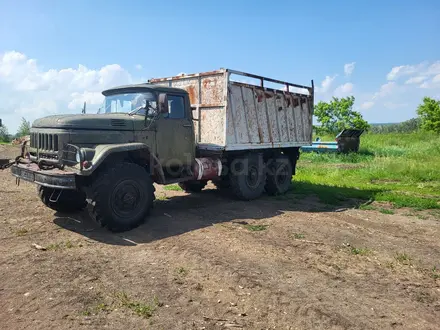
pixel 236 106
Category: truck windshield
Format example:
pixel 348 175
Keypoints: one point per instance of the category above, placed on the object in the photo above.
pixel 131 103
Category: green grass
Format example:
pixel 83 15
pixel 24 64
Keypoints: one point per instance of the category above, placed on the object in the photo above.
pixel 403 258
pixel 142 309
pixel 367 207
pixel 172 187
pixel 435 273
pixel 298 236
pixel 182 271
pixel 399 169
pixel 386 211
pixel 256 227
pixel 61 245
pixel 359 251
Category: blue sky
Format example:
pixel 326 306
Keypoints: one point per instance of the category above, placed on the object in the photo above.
pixel 56 54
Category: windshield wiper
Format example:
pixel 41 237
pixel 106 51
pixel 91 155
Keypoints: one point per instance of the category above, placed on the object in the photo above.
pixel 135 111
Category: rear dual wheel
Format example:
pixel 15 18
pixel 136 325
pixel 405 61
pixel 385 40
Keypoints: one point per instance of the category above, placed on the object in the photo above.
pixel 279 175
pixel 247 176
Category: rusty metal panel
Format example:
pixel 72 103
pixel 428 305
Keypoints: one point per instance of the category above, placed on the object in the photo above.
pixel 238 114
pixel 250 114
pixel 290 118
pixel 280 109
pixel 211 124
pixel 269 99
pixel 212 89
pixel 258 117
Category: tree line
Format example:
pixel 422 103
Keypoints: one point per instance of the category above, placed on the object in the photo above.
pixel 338 114
pixel 23 130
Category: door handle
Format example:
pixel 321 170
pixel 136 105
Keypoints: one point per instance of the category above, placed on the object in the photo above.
pixel 187 125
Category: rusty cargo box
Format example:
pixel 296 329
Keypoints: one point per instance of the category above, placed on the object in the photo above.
pixel 234 110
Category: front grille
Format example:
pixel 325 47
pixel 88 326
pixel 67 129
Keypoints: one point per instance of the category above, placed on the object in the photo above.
pixel 44 141
pixel 117 122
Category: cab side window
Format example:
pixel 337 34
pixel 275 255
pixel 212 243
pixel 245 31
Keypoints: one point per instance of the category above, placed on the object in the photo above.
pixel 176 107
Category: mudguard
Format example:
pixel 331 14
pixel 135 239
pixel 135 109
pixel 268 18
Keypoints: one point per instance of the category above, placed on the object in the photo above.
pixel 103 151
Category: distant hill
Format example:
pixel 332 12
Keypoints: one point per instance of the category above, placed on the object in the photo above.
pixel 384 124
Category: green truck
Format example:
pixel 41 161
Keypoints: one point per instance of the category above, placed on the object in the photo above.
pixel 189 129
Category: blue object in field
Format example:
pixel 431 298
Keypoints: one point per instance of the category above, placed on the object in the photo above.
pixel 346 141
pixel 321 147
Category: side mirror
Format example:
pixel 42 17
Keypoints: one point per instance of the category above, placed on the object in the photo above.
pixel 163 103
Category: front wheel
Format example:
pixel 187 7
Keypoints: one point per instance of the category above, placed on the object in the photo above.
pixel 122 197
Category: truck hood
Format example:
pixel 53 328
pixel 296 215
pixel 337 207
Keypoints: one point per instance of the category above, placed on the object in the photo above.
pixel 114 121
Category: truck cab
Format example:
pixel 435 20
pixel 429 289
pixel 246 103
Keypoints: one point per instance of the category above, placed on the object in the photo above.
pixel 167 129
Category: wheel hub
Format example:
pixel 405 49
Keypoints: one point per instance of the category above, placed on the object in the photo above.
pixel 282 174
pixel 126 198
pixel 252 177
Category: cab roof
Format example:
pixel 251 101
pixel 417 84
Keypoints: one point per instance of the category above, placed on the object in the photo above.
pixel 139 87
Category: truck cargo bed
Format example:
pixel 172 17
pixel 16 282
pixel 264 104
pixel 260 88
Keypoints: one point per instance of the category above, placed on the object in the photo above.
pixel 231 113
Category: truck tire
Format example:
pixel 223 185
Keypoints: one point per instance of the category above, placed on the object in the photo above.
pixel 247 177
pixel 67 201
pixel 121 197
pixel 279 175
pixel 193 186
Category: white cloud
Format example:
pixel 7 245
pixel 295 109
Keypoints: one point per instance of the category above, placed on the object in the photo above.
pixel 343 90
pixel 91 98
pixel 32 92
pixel 403 70
pixel 396 99
pixel 349 68
pixel 421 69
pixel 367 105
pixel 385 89
pixel 138 66
pixel 433 69
pixel 433 84
pixel 425 85
pixel 326 84
pixel 415 80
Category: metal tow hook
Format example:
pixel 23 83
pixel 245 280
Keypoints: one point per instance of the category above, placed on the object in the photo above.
pixel 52 199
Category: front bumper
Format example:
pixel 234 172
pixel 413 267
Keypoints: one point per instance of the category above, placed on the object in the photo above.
pixel 54 178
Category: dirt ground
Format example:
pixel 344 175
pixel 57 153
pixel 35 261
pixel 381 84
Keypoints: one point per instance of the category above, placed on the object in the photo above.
pixel 204 261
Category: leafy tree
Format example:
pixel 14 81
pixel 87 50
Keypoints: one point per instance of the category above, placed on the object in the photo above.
pixel 24 128
pixel 429 114
pixel 4 135
pixel 338 114
pixel 408 126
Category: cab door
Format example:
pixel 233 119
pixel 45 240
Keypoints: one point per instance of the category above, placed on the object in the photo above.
pixel 175 133
pixel 144 134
